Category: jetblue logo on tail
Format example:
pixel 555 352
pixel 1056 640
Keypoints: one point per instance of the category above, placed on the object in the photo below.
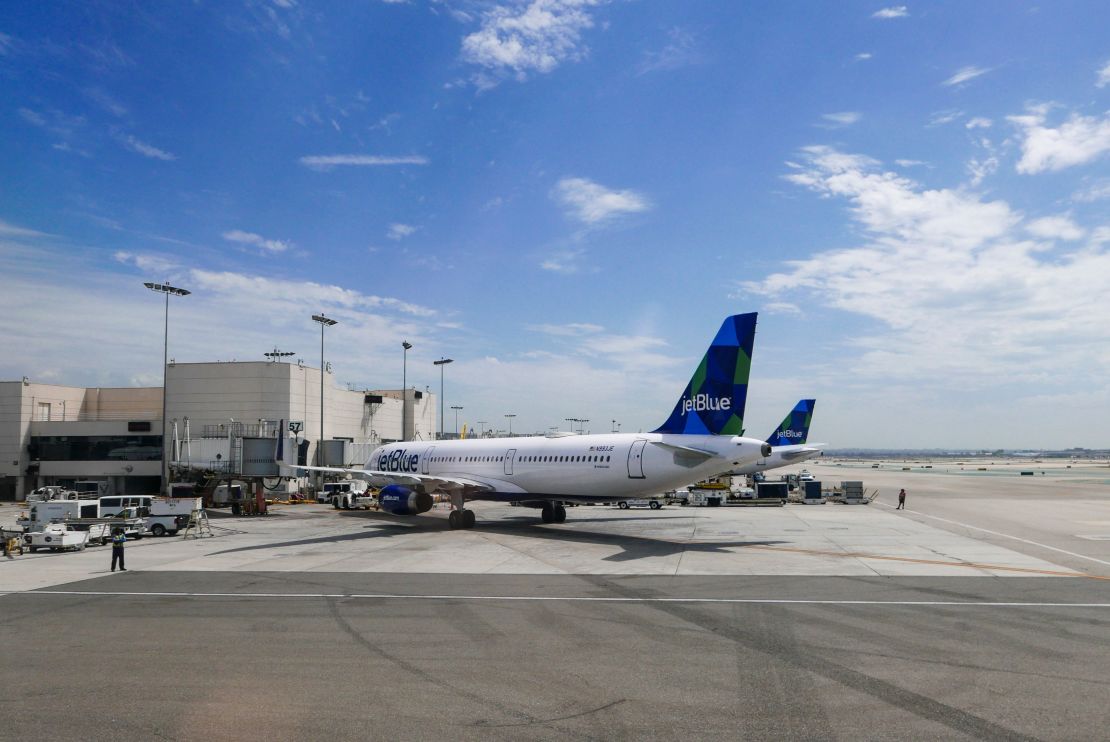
pixel 703 402
pixel 713 401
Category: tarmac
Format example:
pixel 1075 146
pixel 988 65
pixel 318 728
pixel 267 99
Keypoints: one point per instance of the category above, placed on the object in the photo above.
pixel 982 611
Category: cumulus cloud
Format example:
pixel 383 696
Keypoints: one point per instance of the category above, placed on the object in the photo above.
pixel 863 56
pixel 948 279
pixel 1077 141
pixel 158 265
pixel 964 74
pixel 978 123
pixel 843 118
pixel 327 162
pixel 146 150
pixel 592 203
pixel 400 231
pixel 537 36
pixel 1103 76
pixel 1060 227
pixel 250 238
pixel 897 11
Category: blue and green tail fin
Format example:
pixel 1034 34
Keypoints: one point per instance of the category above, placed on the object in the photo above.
pixel 713 403
pixel 794 429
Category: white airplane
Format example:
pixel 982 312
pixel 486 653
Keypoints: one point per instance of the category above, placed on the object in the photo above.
pixel 701 438
pixel 788 442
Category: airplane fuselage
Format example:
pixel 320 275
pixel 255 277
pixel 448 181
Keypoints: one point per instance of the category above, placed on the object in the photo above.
pixel 600 467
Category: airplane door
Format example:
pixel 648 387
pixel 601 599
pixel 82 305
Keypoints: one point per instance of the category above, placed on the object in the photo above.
pixel 427 460
pixel 636 460
pixel 509 456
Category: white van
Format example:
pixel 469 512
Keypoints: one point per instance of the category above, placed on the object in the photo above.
pixel 168 516
pixel 111 506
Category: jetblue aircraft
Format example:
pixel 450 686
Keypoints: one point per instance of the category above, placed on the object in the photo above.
pixel 701 438
pixel 788 442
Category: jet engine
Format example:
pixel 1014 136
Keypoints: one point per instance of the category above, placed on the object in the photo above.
pixel 397 499
pixel 765 449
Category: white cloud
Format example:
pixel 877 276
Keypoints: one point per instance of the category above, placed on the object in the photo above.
pixel 146 150
pixel 157 265
pixel 978 123
pixel 863 56
pixel 573 329
pixel 843 118
pixel 897 11
pixel 1096 191
pixel 910 163
pixel 956 293
pixel 1060 227
pixel 1103 76
pixel 681 51
pixel 400 231
pixel 562 261
pixel 964 74
pixel 1077 141
pixel 592 203
pixel 7 229
pixel 32 117
pixel 534 37
pixel 940 118
pixel 326 162
pixel 250 238
pixel 105 101
pixel 782 307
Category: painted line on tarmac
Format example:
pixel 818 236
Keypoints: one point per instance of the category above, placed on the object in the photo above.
pixel 1003 535
pixel 557 598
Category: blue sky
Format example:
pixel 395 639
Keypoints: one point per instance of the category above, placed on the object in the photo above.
pixel 567 197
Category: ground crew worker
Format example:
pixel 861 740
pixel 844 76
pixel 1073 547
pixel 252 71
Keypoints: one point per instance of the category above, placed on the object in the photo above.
pixel 901 500
pixel 118 540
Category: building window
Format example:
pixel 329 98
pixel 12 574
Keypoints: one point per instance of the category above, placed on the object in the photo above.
pixel 43 412
pixel 96 447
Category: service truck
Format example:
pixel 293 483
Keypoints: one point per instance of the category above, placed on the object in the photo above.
pixel 347 494
pixel 56 537
pixel 170 515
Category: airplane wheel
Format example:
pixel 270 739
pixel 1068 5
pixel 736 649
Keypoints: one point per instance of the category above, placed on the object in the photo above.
pixel 453 520
pixel 560 514
pixel 547 514
pixel 468 518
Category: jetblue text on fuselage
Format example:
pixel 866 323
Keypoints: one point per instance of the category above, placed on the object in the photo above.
pixel 398 460
pixel 702 402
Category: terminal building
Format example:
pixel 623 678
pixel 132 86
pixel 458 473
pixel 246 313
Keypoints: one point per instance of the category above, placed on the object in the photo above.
pixel 221 417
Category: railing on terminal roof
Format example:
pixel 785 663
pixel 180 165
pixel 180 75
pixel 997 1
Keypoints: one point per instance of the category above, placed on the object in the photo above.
pixel 265 429
pixel 96 417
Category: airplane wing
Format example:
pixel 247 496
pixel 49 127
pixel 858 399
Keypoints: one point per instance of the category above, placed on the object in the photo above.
pixel 381 478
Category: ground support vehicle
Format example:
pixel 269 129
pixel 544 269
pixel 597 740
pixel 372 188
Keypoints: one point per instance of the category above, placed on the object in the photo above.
pixel 168 516
pixel 11 540
pixel 56 537
pixel 346 495
pixel 641 502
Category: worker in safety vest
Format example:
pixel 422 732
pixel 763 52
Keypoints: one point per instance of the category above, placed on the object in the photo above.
pixel 118 540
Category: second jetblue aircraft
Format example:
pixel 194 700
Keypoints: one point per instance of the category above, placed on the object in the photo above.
pixel 701 438
pixel 788 442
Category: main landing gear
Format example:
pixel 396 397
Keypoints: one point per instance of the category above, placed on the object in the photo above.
pixel 461 519
pixel 553 513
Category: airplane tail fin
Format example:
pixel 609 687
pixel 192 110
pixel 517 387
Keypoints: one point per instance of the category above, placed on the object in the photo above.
pixel 713 403
pixel 795 428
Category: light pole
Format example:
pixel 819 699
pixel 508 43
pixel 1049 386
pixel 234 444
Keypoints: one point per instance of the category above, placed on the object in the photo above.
pixel 165 288
pixel 483 424
pixel 614 430
pixel 456 408
pixel 511 416
pixel 582 429
pixel 324 322
pixel 572 421
pixel 276 355
pixel 441 363
pixel 404 391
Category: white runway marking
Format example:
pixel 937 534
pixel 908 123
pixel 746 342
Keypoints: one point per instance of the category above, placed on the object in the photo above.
pixel 556 598
pixel 1003 535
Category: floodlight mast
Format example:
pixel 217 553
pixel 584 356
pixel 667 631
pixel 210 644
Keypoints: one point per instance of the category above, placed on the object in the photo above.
pixel 404 391
pixel 441 363
pixel 323 322
pixel 165 288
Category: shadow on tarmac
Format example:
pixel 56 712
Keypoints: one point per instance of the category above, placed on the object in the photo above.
pixel 632 547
